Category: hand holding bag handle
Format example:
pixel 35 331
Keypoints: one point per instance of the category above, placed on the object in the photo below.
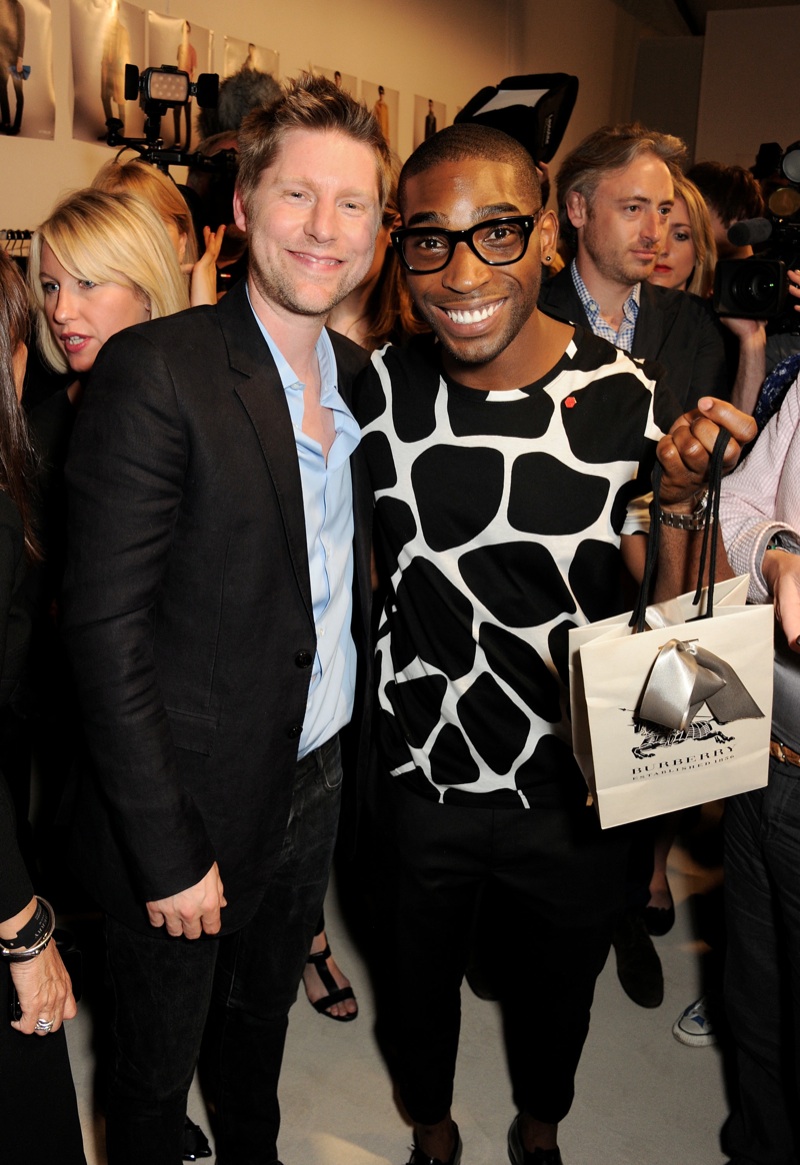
pixel 685 676
pixel 710 536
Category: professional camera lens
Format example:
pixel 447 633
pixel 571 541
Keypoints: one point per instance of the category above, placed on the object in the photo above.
pixel 784 202
pixel 755 286
pixel 790 163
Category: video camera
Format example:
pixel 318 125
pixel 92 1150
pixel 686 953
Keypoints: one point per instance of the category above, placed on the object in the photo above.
pixel 758 287
pixel 157 91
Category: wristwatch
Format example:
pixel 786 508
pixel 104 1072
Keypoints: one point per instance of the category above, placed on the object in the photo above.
pixel 783 542
pixel 694 521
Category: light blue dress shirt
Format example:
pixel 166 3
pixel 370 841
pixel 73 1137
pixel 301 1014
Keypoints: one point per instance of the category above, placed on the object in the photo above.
pixel 328 505
pixel 630 310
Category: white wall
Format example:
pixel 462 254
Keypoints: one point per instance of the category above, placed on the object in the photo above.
pixel 667 89
pixel 597 41
pixel 749 88
pixel 446 49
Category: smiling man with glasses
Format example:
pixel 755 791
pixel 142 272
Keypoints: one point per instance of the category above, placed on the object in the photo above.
pixel 506 465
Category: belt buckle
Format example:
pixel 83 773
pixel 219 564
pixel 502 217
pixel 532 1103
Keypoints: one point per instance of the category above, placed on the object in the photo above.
pixel 778 751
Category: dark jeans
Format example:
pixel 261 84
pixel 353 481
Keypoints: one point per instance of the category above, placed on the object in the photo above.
pixel 231 994
pixel 559 883
pixel 762 975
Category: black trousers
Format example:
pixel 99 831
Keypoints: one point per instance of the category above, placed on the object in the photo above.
pixel 762 971
pixel 559 884
pixel 232 994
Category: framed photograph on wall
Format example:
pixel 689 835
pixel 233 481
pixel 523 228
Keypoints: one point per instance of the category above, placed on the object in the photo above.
pixel 27 98
pixel 344 81
pixel 173 40
pixel 429 118
pixel 385 104
pixel 105 36
pixel 242 54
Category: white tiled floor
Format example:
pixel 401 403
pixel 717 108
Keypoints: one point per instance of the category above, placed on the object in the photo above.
pixel 642 1098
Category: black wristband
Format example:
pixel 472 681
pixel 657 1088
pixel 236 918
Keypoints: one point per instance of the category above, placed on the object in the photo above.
pixel 34 929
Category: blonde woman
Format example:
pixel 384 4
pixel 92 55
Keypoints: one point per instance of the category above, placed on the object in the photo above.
pixel 689 256
pixel 100 263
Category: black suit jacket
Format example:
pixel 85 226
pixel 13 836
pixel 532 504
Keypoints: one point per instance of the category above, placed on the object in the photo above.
pixel 188 611
pixel 673 329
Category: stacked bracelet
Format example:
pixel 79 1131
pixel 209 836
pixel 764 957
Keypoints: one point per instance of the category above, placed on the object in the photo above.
pixel 33 937
pixel 694 521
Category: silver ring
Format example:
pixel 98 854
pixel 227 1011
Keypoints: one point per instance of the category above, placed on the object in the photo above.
pixel 44 1025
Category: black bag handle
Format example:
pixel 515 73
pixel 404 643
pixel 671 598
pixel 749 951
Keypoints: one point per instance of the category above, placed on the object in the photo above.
pixel 710 536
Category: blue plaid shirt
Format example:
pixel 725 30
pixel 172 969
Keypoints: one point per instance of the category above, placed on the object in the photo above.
pixel 624 337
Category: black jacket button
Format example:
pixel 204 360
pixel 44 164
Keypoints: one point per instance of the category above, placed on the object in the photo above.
pixel 304 659
pixel 295 731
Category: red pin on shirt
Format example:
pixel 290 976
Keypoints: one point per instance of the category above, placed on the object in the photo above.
pixel 570 402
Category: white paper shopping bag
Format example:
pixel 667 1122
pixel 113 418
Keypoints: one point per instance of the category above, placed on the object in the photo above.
pixel 712 683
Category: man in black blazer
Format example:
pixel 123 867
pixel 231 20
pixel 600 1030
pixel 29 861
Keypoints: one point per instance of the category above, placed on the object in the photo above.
pixel 216 597
pixel 614 197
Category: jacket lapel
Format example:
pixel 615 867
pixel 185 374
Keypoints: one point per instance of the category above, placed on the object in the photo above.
pixel 654 321
pixel 264 400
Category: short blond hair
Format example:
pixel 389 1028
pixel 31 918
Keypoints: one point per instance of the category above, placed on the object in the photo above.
pixel 145 181
pixel 308 103
pixel 107 238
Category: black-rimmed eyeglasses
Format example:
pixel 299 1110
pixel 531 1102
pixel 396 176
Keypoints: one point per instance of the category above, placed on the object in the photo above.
pixel 496 241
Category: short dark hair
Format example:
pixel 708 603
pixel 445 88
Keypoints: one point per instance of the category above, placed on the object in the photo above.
pixel 466 140
pixel 731 191
pixel 612 147
pixel 309 103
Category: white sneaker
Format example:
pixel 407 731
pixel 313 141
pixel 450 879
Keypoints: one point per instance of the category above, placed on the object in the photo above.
pixel 693 1026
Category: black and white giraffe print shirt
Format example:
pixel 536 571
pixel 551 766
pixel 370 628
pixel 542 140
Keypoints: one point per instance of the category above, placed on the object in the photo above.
pixel 498 518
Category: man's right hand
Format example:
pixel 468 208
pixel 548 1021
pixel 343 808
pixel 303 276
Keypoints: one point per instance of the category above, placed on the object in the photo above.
pixel 193 910
pixel 686 450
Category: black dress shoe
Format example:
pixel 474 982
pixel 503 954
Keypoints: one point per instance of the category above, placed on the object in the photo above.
pixel 519 1155
pixel 195 1142
pixel 419 1158
pixel 638 965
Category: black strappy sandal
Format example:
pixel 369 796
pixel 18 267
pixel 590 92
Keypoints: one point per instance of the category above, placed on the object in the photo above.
pixel 335 994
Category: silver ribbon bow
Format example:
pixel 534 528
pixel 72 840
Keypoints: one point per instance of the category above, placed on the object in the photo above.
pixel 685 676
